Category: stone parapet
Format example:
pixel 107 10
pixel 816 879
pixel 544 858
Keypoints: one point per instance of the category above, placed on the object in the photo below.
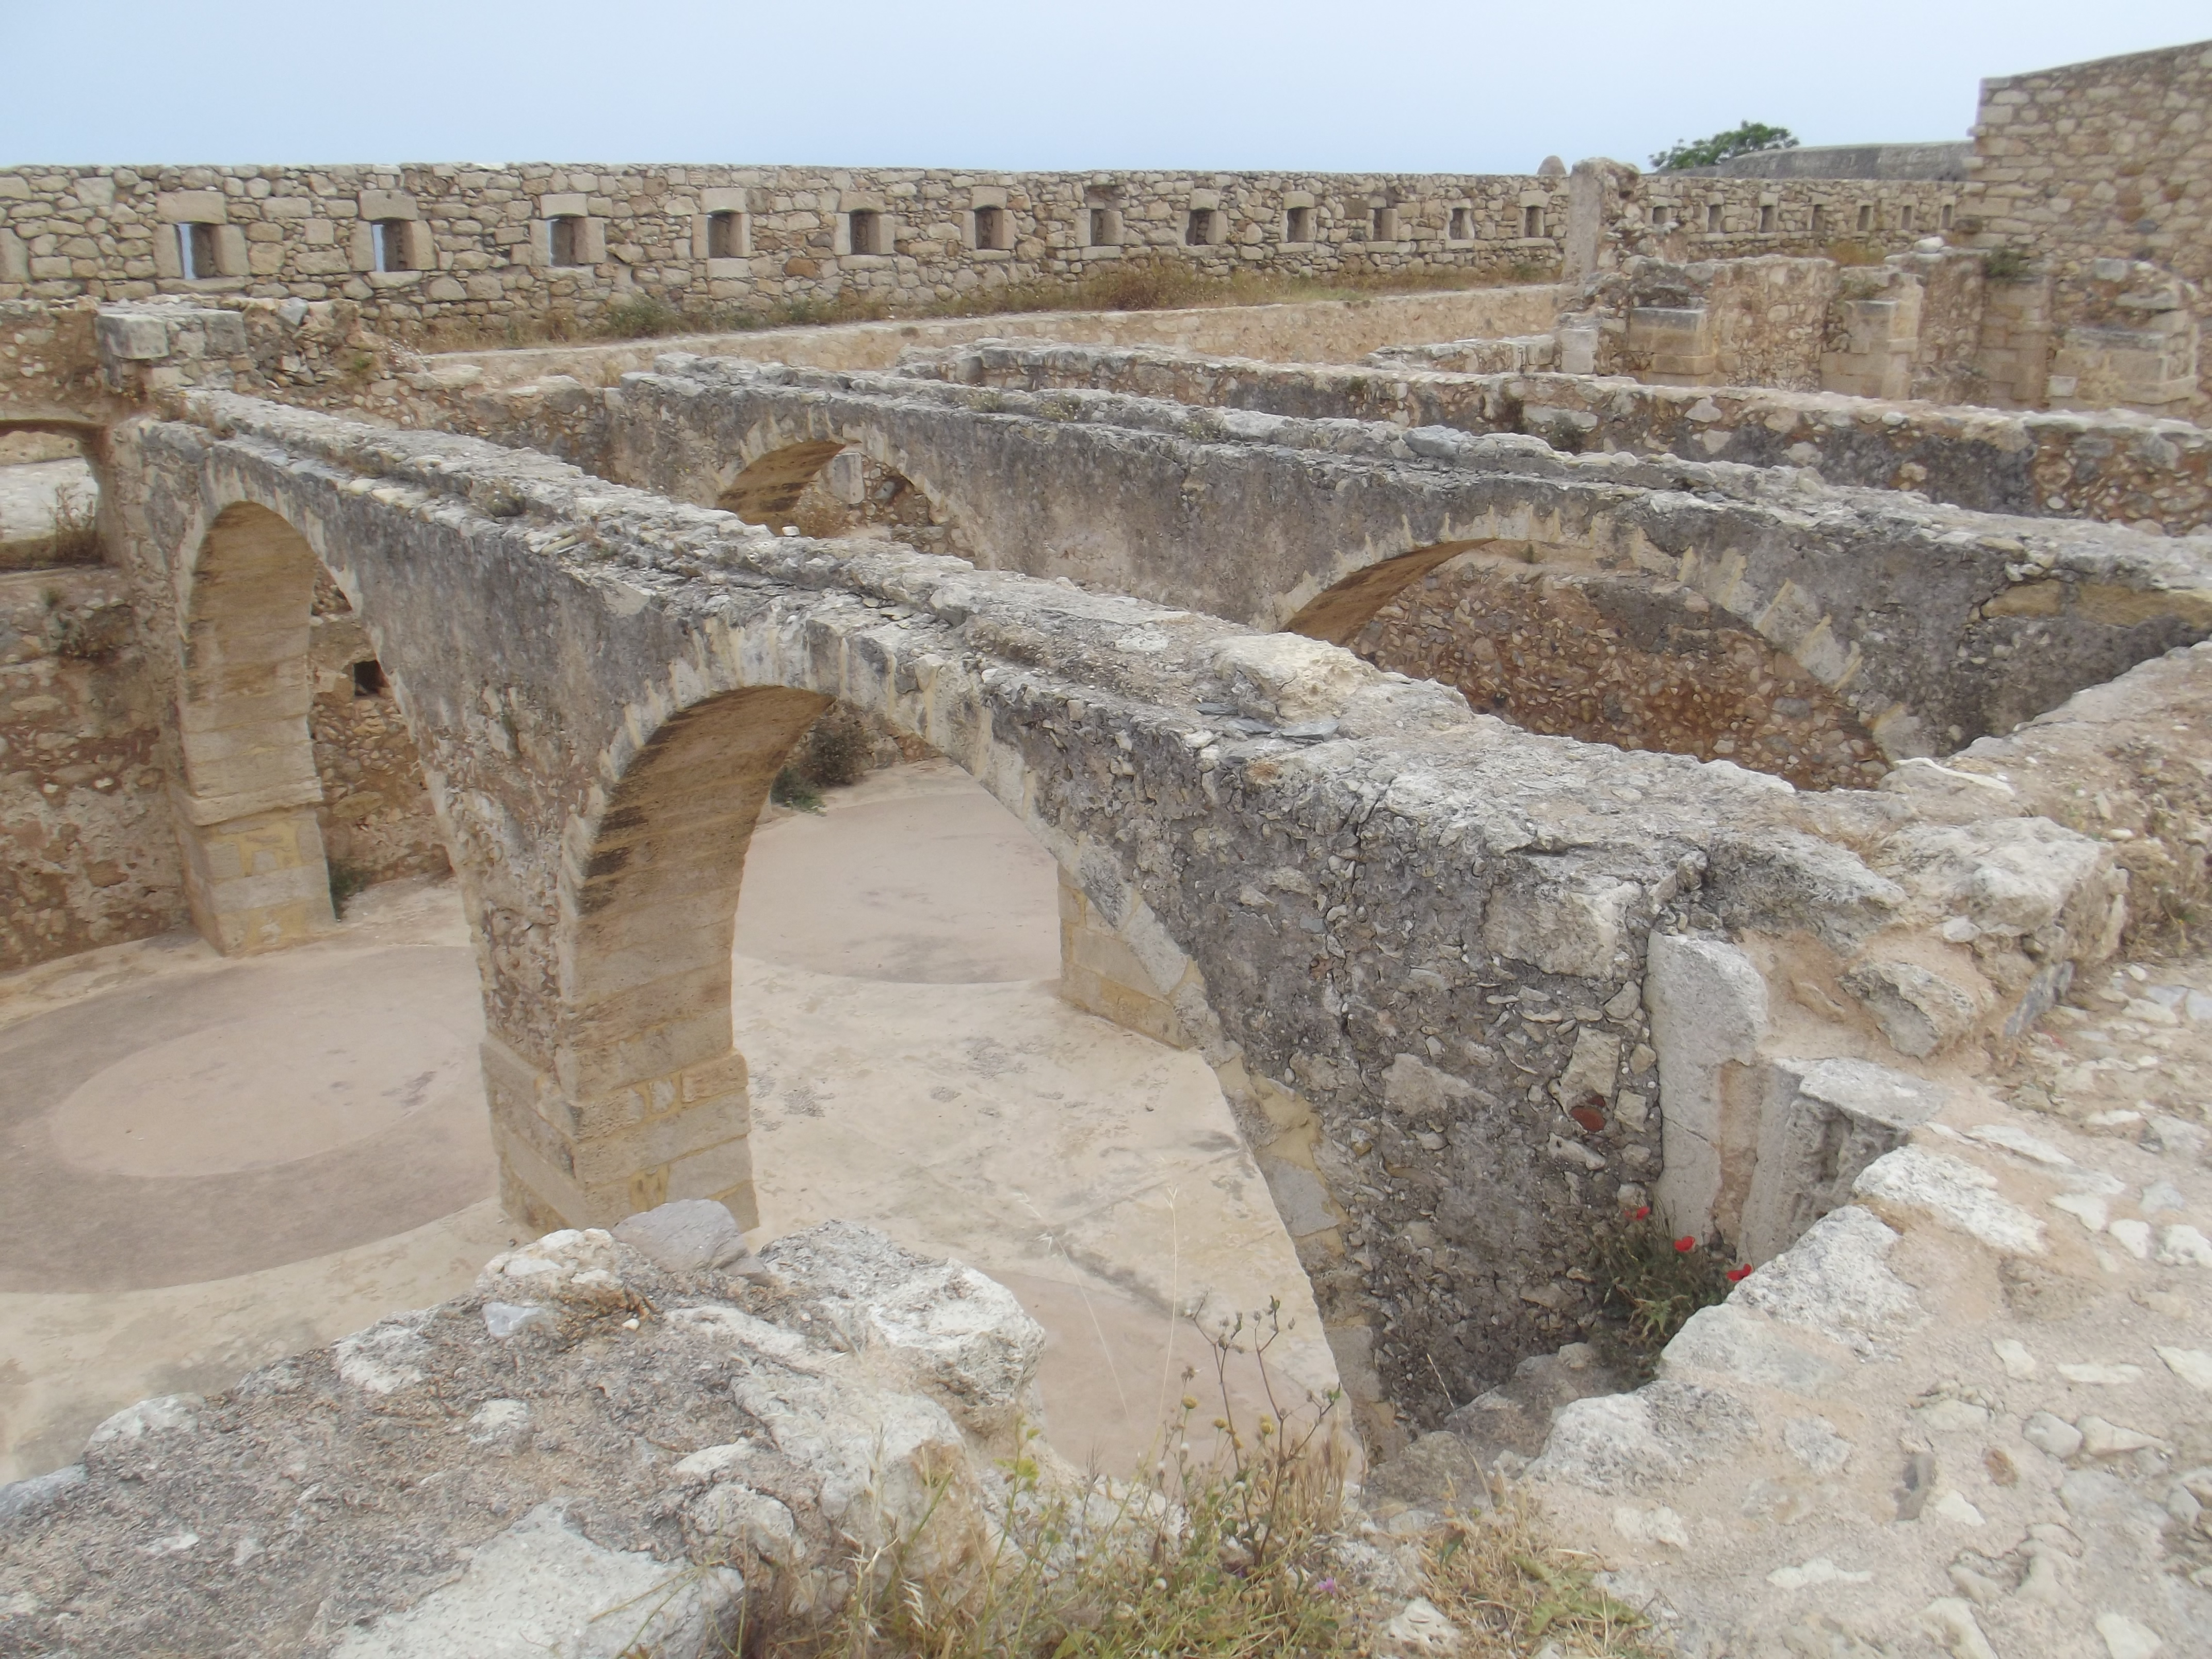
pixel 459 251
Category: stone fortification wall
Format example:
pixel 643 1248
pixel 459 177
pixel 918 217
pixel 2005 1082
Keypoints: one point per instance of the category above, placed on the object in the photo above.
pixel 487 250
pixel 516 251
pixel 1736 322
pixel 1936 161
pixel 2101 164
pixel 87 856
pixel 2116 466
pixel 1687 217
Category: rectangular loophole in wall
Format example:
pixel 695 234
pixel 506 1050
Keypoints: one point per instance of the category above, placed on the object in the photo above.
pixel 1461 226
pixel 1104 233
pixel 866 231
pixel 1658 216
pixel 725 236
pixel 1299 225
pixel 1712 218
pixel 1382 224
pixel 1904 218
pixel 1766 216
pixel 391 237
pixel 1819 220
pixel 990 228
pixel 1944 222
pixel 567 240
pixel 1202 229
pixel 196 251
pixel 1866 216
pixel 1532 222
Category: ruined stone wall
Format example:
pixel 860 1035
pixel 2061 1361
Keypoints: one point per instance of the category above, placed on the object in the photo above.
pixel 2116 466
pixel 377 820
pixel 90 856
pixel 2109 161
pixel 1625 661
pixel 1142 496
pixel 1404 935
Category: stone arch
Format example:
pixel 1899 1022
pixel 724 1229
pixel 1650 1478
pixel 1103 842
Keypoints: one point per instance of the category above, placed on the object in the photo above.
pixel 783 467
pixel 642 1097
pixel 1547 637
pixel 250 795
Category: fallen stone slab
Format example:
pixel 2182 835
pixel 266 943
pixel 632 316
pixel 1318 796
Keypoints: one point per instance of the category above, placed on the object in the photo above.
pixel 587 1455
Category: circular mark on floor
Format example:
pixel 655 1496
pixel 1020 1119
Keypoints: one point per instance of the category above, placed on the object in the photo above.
pixel 251 1094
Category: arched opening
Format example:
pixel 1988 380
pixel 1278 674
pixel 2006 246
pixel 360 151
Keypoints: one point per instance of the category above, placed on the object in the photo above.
pixel 302 782
pixel 1557 646
pixel 856 1006
pixel 829 489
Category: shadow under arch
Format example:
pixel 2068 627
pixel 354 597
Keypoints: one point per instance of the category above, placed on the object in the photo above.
pixel 768 490
pixel 1544 636
pixel 788 479
pixel 249 799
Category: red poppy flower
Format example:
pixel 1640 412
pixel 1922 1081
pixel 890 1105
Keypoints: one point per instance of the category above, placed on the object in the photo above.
pixel 1685 1244
pixel 1737 1275
pixel 1641 1214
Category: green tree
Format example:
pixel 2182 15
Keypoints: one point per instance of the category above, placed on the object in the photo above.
pixel 1741 141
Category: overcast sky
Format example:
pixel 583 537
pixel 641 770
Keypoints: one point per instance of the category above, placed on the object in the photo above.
pixel 1356 85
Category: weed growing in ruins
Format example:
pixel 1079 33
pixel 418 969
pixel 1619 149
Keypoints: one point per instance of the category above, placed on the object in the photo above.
pixel 1229 1553
pixel 641 317
pixel 2006 265
pixel 346 881
pixel 1494 1575
pixel 1653 1283
pixel 792 789
pixel 836 751
pixel 1240 1552
pixel 76 526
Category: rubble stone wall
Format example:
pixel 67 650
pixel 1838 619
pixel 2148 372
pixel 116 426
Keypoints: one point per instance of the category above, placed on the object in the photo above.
pixel 2103 161
pixel 91 858
pixel 377 820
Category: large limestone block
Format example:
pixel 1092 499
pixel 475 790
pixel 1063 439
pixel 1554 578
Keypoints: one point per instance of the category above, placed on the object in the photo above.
pixel 1708 1007
pixel 542 1590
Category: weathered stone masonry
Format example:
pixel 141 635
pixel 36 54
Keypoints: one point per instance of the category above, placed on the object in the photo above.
pixel 473 251
pixel 2125 468
pixel 1275 521
pixel 1403 934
